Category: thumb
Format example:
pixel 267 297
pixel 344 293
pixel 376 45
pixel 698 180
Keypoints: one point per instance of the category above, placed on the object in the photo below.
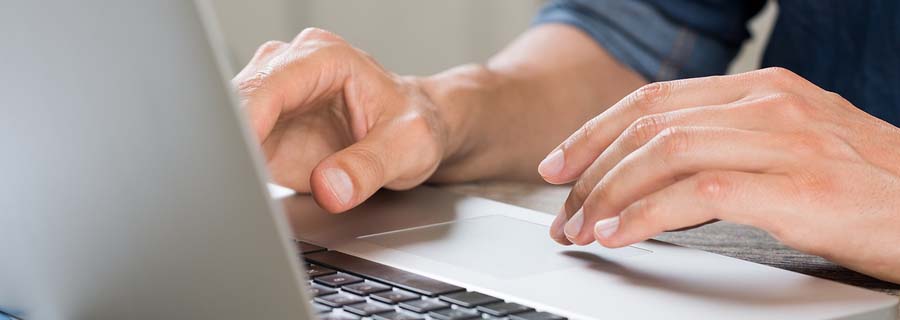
pixel 347 178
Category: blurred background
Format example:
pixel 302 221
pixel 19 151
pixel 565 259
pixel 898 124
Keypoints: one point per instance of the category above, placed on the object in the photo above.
pixel 416 37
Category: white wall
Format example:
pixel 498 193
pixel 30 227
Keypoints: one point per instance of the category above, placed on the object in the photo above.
pixel 760 27
pixel 408 36
pixel 421 37
pixel 247 24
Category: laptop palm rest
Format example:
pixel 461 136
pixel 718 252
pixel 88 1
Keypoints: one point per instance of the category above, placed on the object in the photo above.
pixel 507 247
pixel 505 251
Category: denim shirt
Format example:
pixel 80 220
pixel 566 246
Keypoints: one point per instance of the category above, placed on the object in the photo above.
pixel 848 47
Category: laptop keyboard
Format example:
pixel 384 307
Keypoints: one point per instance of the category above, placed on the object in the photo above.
pixel 345 287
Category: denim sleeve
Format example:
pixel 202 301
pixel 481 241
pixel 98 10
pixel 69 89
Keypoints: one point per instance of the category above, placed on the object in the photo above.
pixel 661 39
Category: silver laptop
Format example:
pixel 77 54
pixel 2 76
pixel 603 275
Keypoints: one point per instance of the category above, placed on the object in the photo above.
pixel 133 190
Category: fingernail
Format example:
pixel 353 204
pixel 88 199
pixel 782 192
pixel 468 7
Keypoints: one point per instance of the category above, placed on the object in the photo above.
pixel 573 227
pixel 606 227
pixel 558 224
pixel 553 164
pixel 340 184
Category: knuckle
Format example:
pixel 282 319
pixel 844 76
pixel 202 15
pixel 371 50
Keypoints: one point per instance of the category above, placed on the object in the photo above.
pixel 713 186
pixel 269 47
pixel 323 49
pixel 835 97
pixel 833 146
pixel 783 79
pixel 318 41
pixel 650 95
pixel 808 145
pixel 672 142
pixel 254 84
pixel 591 128
pixel 588 134
pixel 784 98
pixel 791 106
pixel 420 124
pixel 313 33
pixel 645 128
pixel 648 213
pixel 780 74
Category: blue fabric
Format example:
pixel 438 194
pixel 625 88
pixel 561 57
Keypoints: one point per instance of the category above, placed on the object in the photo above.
pixel 849 47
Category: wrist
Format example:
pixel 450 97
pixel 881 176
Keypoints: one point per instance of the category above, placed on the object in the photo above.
pixel 462 96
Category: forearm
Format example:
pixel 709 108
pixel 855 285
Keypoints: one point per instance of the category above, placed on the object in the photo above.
pixel 506 115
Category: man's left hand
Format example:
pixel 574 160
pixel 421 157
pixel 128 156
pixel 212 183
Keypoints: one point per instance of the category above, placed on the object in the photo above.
pixel 765 148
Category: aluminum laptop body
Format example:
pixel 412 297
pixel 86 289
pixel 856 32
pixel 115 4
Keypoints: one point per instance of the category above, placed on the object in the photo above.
pixel 132 189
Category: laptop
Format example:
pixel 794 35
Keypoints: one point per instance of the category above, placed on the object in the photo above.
pixel 133 189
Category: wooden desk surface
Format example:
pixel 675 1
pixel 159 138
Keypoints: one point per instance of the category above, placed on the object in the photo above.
pixel 723 238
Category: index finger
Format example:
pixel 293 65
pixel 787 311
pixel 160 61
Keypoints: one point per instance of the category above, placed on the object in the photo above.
pixel 567 162
pixel 251 77
pixel 301 74
pixel 727 195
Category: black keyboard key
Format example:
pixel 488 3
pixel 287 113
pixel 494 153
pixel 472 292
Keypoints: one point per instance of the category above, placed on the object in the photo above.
pixel 469 299
pixel 365 288
pixel 318 291
pixel 337 280
pixel 313 271
pixel 305 247
pixel 536 316
pixel 339 299
pixel 395 297
pixel 504 308
pixel 423 306
pixel 320 308
pixel 337 316
pixel 382 273
pixel 397 316
pixel 368 308
pixel 454 314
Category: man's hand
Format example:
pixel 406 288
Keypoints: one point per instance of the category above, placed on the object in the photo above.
pixel 764 148
pixel 333 122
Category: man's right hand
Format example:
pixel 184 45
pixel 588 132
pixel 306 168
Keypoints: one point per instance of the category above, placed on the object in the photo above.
pixel 335 123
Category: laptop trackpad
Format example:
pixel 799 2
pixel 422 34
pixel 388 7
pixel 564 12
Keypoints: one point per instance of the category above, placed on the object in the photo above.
pixel 497 245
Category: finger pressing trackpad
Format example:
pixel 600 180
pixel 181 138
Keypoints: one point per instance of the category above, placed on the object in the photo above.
pixel 497 245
